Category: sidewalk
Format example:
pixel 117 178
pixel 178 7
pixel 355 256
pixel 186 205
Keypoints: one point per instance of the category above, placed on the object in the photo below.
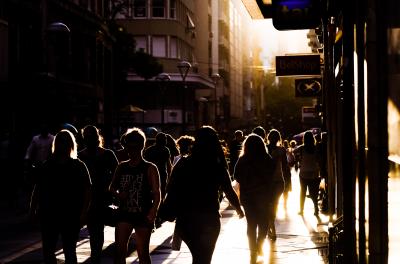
pixel 299 238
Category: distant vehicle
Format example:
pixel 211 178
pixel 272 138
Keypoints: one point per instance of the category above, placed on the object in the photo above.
pixel 299 137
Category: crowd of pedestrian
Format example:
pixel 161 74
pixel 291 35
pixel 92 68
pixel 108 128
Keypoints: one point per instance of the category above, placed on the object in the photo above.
pixel 75 179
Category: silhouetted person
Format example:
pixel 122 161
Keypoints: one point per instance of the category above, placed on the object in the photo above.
pixel 185 144
pixel 122 153
pixel 253 172
pixel 172 147
pixel 159 154
pixel 101 163
pixel 136 184
pixel 235 147
pixel 198 179
pixel 309 171
pixel 61 198
pixel 39 148
pixel 280 175
pixel 259 130
pixel 38 151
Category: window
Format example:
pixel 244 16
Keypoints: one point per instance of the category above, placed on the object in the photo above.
pixel 141 43
pixel 173 47
pixel 159 46
pixel 158 8
pixel 172 8
pixel 139 8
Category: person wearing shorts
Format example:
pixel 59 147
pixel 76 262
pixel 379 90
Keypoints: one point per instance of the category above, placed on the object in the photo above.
pixel 136 185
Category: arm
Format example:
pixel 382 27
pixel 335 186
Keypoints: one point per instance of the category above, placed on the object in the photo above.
pixel 86 193
pixel 231 194
pixel 285 166
pixel 154 180
pixel 114 185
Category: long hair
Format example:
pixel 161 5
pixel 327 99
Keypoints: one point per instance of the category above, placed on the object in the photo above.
pixel 207 146
pixel 253 147
pixel 274 137
pixel 91 135
pixel 309 141
pixel 64 144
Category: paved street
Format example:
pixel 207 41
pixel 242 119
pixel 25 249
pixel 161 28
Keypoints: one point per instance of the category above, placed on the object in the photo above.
pixel 299 240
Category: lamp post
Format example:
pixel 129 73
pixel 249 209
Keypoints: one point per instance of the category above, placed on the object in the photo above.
pixel 215 77
pixel 163 77
pixel 183 68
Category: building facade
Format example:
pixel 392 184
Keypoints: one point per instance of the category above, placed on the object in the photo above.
pixel 211 36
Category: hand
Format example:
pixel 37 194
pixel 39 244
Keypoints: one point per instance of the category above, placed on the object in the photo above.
pixel 151 216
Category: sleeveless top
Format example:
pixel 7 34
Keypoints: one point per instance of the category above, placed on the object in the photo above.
pixel 134 180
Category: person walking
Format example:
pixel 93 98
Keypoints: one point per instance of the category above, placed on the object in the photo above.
pixel 185 144
pixel 101 163
pixel 253 172
pixel 235 147
pixel 136 184
pixel 61 198
pixel 198 179
pixel 280 176
pixel 309 171
pixel 159 154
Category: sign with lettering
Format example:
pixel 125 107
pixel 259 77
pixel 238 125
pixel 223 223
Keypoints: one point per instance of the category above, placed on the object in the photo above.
pixel 308 87
pixel 295 14
pixel 298 65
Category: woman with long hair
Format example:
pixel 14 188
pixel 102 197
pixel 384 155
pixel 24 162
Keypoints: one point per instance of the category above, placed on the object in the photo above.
pixel 280 176
pixel 253 173
pixel 198 179
pixel 309 171
pixel 61 197
pixel 101 163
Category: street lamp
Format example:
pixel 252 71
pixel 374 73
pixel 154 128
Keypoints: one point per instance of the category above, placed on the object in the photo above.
pixel 215 77
pixel 163 77
pixel 183 67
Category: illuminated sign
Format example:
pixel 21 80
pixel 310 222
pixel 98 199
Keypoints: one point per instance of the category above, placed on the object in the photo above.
pixel 298 65
pixel 295 14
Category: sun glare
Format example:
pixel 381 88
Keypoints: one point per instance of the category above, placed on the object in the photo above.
pixel 274 42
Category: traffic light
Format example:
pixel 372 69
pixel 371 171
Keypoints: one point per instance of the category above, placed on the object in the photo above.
pixel 295 14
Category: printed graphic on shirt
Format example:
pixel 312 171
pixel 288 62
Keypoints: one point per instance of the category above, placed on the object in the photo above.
pixel 133 184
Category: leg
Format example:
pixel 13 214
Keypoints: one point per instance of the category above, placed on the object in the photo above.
pixel 313 188
pixel 96 233
pixel 69 238
pixel 251 218
pixel 200 233
pixel 123 231
pixel 143 243
pixel 49 243
pixel 176 240
pixel 303 190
